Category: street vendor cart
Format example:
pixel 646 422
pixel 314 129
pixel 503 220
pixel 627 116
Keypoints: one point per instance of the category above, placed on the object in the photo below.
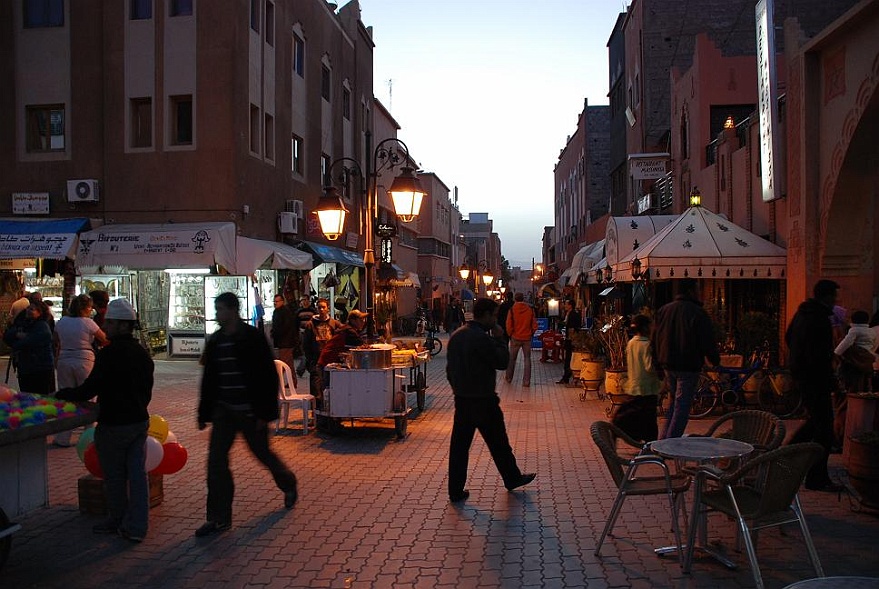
pixel 372 384
pixel 24 481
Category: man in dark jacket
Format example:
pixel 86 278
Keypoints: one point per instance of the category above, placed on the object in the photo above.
pixel 681 342
pixel 809 339
pixel 573 322
pixel 239 393
pixel 476 352
pixel 316 334
pixel 122 379
pixel 285 331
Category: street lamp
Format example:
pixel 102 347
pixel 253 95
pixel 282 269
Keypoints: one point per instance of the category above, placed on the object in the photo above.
pixel 695 197
pixel 406 193
pixel 487 277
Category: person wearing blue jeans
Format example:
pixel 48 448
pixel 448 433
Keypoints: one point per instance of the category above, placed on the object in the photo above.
pixel 122 379
pixel 682 340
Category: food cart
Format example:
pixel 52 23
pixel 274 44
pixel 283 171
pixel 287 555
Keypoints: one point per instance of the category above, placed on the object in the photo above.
pixel 24 481
pixel 372 384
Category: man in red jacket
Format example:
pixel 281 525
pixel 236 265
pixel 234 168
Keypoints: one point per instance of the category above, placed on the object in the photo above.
pixel 521 325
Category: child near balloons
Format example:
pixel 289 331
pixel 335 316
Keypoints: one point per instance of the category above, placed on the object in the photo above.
pixel 122 379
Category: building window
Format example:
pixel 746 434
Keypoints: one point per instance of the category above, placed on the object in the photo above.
pixel 141 10
pixel 141 122
pixel 254 128
pixel 299 56
pixel 298 151
pixel 325 83
pixel 43 13
pixel 270 24
pixel 181 8
pixel 325 169
pixel 45 128
pixel 346 103
pixel 269 148
pixel 181 120
pixel 254 15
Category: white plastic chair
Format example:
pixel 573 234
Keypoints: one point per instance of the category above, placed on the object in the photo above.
pixel 288 397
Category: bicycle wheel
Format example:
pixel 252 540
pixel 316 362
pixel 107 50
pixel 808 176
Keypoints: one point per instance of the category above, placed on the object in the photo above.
pixel 705 398
pixel 779 396
pixel 436 347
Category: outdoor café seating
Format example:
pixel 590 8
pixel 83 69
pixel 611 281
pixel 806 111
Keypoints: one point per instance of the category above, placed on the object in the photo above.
pixel 771 501
pixel 624 472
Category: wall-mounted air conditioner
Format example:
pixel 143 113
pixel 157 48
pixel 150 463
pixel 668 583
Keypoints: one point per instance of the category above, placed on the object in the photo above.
pixel 83 191
pixel 295 206
pixel 288 222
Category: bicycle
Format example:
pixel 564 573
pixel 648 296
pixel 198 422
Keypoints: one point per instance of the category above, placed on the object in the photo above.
pixel 778 394
pixel 432 343
pixel 727 387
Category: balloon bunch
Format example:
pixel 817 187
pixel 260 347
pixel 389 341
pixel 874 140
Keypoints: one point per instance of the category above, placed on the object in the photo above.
pixel 164 454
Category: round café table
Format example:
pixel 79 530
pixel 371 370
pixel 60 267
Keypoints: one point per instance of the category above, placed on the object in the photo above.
pixel 837 582
pixel 699 449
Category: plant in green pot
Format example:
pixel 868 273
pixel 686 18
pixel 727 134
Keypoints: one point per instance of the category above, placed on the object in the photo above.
pixel 586 361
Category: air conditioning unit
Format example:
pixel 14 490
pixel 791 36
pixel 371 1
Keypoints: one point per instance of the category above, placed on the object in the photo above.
pixel 83 191
pixel 295 206
pixel 288 222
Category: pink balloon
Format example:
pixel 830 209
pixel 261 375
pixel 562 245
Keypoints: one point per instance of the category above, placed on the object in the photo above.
pixel 154 453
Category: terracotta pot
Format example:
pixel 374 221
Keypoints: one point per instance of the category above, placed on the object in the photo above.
pixel 592 374
pixel 614 382
pixel 863 471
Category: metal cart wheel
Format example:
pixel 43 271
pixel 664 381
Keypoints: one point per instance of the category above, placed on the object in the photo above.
pixel 420 388
pixel 776 398
pixel 401 424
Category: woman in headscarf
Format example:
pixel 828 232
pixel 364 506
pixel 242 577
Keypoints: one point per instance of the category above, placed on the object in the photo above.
pixel 31 339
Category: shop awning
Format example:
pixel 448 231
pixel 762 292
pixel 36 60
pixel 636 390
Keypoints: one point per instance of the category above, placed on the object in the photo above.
pixel 160 246
pixel 255 253
pixel 327 254
pixel 550 289
pixel 409 279
pixel 703 244
pixel 40 238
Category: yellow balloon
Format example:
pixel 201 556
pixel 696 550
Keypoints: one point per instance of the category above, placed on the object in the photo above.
pixel 158 428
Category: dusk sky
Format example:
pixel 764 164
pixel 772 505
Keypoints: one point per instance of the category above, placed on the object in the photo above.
pixel 487 94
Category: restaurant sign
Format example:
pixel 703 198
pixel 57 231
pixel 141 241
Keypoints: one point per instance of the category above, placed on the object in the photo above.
pixel 648 166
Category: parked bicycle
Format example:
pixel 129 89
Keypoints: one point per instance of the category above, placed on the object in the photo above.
pixel 778 394
pixel 432 342
pixel 725 385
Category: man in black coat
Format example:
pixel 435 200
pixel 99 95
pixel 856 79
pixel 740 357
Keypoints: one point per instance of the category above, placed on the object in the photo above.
pixel 573 322
pixel 809 339
pixel 476 352
pixel 285 332
pixel 239 393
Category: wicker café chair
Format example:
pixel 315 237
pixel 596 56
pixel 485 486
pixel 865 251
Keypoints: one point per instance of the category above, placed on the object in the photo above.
pixel 761 429
pixel 623 470
pixel 773 501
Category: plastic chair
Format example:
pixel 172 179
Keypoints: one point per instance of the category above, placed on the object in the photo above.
pixel 606 435
pixel 288 397
pixel 773 501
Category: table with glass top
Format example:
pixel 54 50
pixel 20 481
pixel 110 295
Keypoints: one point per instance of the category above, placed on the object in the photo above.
pixel 700 450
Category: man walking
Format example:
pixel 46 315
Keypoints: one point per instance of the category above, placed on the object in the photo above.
pixel 809 339
pixel 521 325
pixel 682 340
pixel 122 378
pixel 476 352
pixel 239 393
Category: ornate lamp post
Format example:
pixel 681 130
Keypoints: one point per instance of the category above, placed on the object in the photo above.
pixel 406 193
pixel 487 276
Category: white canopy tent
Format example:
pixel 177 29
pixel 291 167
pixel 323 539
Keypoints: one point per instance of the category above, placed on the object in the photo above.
pixel 703 244
pixel 582 262
pixel 255 253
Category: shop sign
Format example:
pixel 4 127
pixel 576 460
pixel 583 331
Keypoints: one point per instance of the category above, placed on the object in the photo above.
pixel 18 264
pixel 386 230
pixel 386 254
pixel 351 239
pixel 30 203
pixel 187 346
pixel 767 92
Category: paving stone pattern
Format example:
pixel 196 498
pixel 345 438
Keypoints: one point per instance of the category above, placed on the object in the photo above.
pixel 373 512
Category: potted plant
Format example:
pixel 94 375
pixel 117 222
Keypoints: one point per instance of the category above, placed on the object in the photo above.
pixel 586 361
pixel 614 337
pixel 863 466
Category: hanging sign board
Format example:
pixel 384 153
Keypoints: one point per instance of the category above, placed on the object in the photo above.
pixel 30 203
pixel 648 166
pixel 767 91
